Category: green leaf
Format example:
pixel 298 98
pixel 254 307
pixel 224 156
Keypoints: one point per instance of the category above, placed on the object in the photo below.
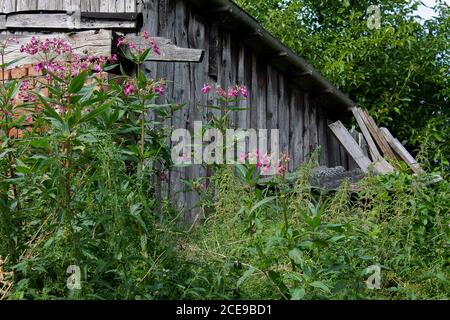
pixel 77 83
pixel 94 113
pixel 320 285
pixel 296 256
pixel 247 274
pixel 262 203
pixel 298 294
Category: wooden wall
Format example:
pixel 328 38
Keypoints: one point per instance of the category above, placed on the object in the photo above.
pixel 7 6
pixel 273 103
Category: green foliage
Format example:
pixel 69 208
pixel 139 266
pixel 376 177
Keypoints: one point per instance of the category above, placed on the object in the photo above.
pixel 323 246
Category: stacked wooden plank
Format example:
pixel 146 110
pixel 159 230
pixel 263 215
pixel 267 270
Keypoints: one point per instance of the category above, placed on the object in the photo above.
pixel 381 144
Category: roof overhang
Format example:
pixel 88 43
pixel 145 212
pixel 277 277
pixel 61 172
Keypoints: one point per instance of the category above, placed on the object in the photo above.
pixel 301 73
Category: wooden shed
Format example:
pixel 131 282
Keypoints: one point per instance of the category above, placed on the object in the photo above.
pixel 216 42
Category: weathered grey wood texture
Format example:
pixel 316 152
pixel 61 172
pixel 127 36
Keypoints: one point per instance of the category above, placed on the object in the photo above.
pixel 273 102
pixel 8 6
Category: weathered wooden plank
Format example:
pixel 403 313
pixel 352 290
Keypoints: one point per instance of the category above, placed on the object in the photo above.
pixel 374 131
pixel 261 105
pixel 297 109
pixel 323 143
pixel 104 5
pixel 314 141
pixel 8 6
pixel 243 116
pixel 2 22
pixel 64 21
pixel 306 127
pixel 350 145
pixel 198 77
pixel 170 52
pixel 130 5
pixel 272 103
pixel 84 42
pixel 181 94
pixel 401 151
pixel 375 154
pixel 117 6
pixel 283 114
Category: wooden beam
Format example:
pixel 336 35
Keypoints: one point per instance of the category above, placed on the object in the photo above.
pixel 374 153
pixel 376 134
pixel 169 51
pixel 83 42
pixel 2 21
pixel 350 145
pixel 402 152
pixel 65 21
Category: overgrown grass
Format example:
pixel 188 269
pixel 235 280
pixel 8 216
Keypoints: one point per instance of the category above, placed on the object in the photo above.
pixel 396 222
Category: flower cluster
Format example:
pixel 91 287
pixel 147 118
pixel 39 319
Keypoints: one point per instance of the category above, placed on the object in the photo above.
pixel 147 42
pixel 70 64
pixel 265 162
pixel 157 87
pixel 48 46
pixel 25 93
pixel 232 93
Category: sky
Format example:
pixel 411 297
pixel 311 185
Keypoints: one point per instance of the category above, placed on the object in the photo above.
pixel 425 12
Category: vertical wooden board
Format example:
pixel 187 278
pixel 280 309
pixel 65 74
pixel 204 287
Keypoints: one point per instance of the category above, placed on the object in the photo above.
pixel 295 129
pixel 104 5
pixel 261 104
pixel 163 12
pixel 314 141
pixel 283 115
pixel 333 147
pixel 272 101
pixel 85 5
pixel 198 77
pixel 23 5
pixel 150 24
pixel 225 67
pixel 323 142
pixel 9 6
pixel 181 94
pixel 94 5
pixel 254 92
pixel 130 5
pixel 119 5
pixel 306 145
pixel 244 78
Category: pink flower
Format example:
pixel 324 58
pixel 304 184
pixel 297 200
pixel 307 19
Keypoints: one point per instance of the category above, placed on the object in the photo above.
pixel 129 89
pixel 220 91
pixel 97 68
pixel 159 89
pixel 113 58
pixel 132 45
pixel 39 67
pixel 206 89
pixel 120 42
pixel 233 92
pixel 155 47
pixel 243 90
pixel 146 35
